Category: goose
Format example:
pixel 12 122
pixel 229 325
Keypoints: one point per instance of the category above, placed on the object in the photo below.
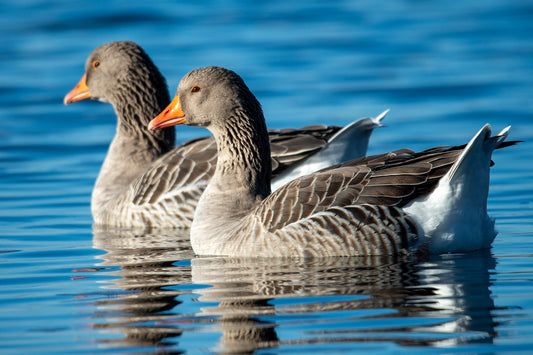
pixel 434 201
pixel 144 180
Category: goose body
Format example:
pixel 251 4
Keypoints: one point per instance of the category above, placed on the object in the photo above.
pixel 144 180
pixel 392 203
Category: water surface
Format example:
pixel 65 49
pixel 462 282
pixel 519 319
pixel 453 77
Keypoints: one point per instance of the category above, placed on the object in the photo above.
pixel 443 70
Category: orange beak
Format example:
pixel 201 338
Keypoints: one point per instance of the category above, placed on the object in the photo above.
pixel 80 92
pixel 170 116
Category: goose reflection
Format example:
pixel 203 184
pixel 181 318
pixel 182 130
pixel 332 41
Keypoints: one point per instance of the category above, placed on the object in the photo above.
pixel 257 297
pixel 462 284
pixel 142 303
pixel 161 290
pixel 338 300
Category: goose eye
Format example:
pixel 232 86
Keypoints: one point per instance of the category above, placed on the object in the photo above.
pixel 96 64
pixel 195 88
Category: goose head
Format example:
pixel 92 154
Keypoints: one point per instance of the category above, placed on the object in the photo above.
pixel 114 70
pixel 210 97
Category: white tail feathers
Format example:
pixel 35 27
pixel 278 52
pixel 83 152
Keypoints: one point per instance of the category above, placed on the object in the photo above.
pixel 478 152
pixel 381 116
pixel 500 137
pixel 454 215
pixel 351 142
pixel 359 129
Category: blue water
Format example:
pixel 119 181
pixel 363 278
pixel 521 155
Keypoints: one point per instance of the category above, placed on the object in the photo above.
pixel 444 69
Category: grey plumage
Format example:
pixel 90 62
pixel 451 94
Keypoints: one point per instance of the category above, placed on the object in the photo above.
pixel 145 181
pixel 353 208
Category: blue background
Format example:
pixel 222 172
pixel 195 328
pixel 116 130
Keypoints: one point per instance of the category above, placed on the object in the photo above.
pixel 444 70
